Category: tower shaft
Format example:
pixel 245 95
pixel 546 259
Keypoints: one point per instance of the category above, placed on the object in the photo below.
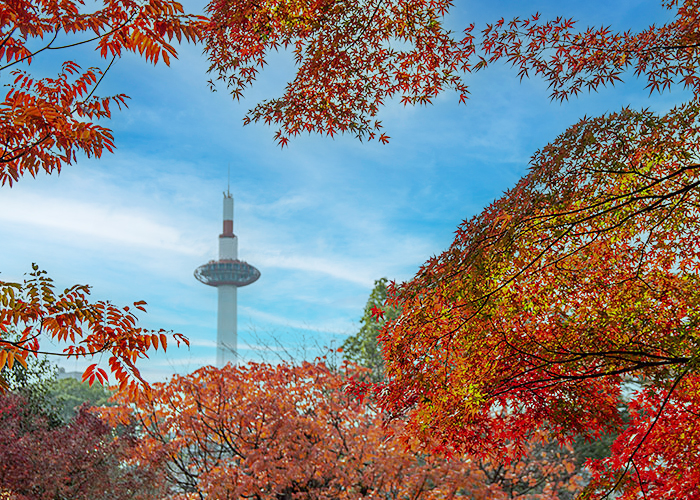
pixel 227 318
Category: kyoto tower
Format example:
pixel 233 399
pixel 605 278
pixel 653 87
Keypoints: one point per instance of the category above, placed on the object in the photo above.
pixel 227 274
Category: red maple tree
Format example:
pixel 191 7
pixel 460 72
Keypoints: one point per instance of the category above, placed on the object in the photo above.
pixel 83 459
pixel 573 299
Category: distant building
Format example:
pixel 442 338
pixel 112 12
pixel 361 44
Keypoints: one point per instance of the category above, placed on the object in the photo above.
pixel 227 274
pixel 62 373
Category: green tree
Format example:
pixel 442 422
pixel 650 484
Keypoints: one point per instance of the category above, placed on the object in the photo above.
pixel 363 347
pixel 58 399
pixel 68 395
pixel 33 384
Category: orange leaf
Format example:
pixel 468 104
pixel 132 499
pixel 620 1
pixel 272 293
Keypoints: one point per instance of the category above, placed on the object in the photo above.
pixel 88 371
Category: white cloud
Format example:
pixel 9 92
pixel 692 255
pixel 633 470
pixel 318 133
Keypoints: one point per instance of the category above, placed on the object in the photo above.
pixel 335 268
pixel 93 221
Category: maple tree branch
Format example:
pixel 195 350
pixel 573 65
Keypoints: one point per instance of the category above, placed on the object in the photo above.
pixel 657 48
pixel 97 84
pixel 535 485
pixel 25 149
pixel 658 200
pixel 633 171
pixel 29 56
pixel 485 297
pixel 366 26
pixel 623 47
pixel 589 217
pixel 643 250
pixel 76 44
pixel 618 197
pixel 8 37
pixel 639 479
pixel 557 378
pixel 420 489
pixel 175 467
pixel 218 429
pixel 97 37
pixel 20 346
pixel 646 434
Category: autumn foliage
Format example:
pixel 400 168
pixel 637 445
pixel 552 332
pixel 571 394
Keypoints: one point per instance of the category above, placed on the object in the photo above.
pixel 47 121
pixel 572 61
pixel 32 314
pixel 567 309
pixel 271 432
pixel 572 301
pixel 83 459
pixel 351 57
pixel 44 124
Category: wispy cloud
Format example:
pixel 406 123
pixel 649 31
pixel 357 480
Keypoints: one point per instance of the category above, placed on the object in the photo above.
pixel 334 327
pixel 117 225
pixel 334 268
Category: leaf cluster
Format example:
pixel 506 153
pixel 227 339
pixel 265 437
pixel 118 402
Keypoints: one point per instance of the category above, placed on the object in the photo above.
pixel 351 58
pixel 32 312
pixel 47 121
pixel 571 61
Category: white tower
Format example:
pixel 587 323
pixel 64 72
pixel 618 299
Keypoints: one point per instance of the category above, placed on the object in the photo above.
pixel 227 274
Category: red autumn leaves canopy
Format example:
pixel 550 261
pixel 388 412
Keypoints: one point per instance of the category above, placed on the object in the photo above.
pixel 286 431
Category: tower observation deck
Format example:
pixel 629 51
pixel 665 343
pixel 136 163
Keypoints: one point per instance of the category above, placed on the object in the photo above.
pixel 227 274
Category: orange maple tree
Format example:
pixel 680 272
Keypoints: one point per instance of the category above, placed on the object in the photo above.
pixel 270 432
pixel 32 314
pixel 47 121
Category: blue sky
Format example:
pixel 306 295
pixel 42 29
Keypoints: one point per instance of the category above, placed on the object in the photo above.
pixel 321 219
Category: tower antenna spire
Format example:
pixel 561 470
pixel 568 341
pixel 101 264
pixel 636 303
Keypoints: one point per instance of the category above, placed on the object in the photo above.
pixel 228 184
